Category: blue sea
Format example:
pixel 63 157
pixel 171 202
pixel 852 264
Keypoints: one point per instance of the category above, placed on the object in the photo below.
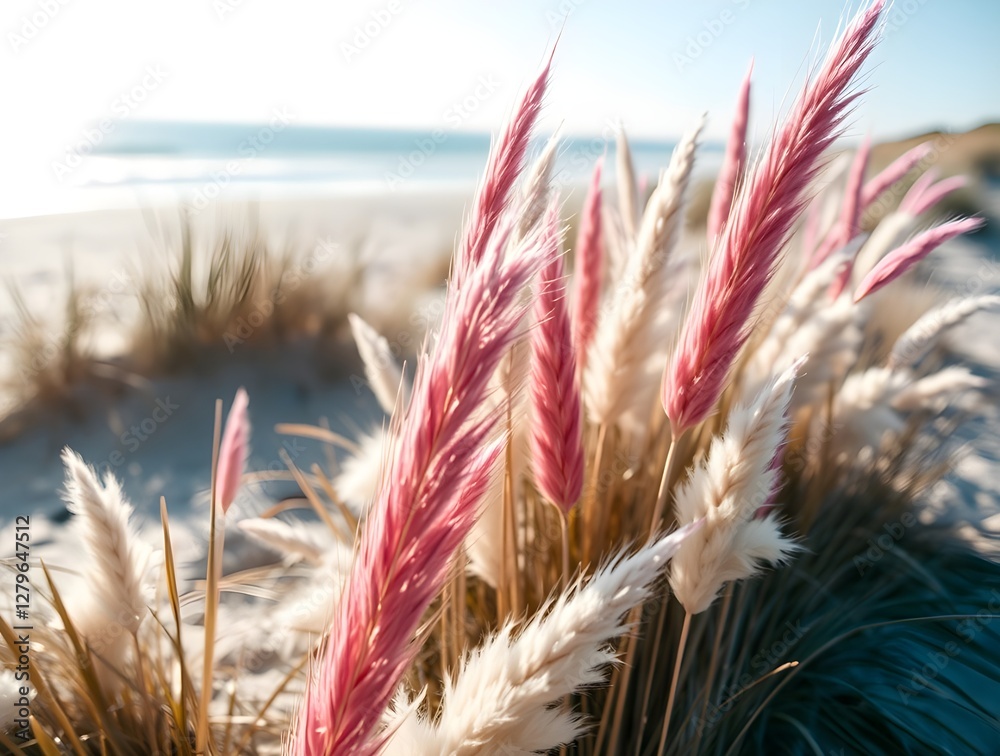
pixel 201 160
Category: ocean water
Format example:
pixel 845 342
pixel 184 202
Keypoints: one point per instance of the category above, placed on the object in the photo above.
pixel 198 162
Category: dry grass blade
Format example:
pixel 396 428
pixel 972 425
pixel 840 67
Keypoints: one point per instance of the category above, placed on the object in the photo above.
pixel 179 707
pixel 46 743
pixel 320 434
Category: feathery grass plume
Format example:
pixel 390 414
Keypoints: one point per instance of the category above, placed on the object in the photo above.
pixel 384 374
pixel 556 435
pixel 763 214
pixel 917 190
pixel 891 231
pixel 535 192
pixel 298 541
pixel 624 359
pixel 811 325
pixel 901 259
pixel 358 478
pixel 849 222
pixel 920 338
pixel 850 210
pixel 503 699
pixel 588 274
pixel 829 343
pixel 894 228
pixel 871 404
pixel 732 165
pixel 628 201
pixel 118 583
pixel 930 195
pixel 737 478
pixel 233 451
pixel 617 246
pixel 503 167
pixel 425 506
pixel 877 186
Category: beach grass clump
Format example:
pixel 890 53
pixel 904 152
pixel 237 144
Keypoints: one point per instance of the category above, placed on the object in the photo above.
pixel 239 293
pixel 45 368
pixel 190 304
pixel 686 498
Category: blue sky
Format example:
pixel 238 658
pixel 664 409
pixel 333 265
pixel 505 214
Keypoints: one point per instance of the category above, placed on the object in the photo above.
pixel 419 63
pixel 656 65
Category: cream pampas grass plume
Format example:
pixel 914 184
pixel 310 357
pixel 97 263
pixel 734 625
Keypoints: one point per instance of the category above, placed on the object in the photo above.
pixel 763 214
pixel 358 479
pixel 588 275
pixel 624 359
pixel 295 541
pixel 738 478
pixel 385 376
pixel 872 405
pixel 426 504
pixel 556 435
pixel 118 580
pixel 628 201
pixel 732 165
pixel 901 259
pixel 535 192
pixel 504 699
pixel 917 340
pixel 809 324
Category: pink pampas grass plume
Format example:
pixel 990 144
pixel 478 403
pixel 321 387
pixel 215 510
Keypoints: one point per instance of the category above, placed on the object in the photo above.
pixel 425 506
pixel 913 194
pixel 901 259
pixel 916 203
pixel 556 438
pixel 589 272
pixel 732 166
pixel 233 451
pixel 503 166
pixel 898 168
pixel 849 221
pixel 763 214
